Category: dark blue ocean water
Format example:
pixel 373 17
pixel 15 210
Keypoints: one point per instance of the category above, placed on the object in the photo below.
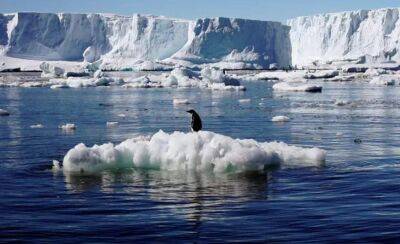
pixel 355 197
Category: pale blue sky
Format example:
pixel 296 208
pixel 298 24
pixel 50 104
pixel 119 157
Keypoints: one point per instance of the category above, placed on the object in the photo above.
pixel 279 10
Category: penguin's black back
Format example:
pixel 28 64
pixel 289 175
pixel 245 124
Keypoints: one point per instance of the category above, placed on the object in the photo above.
pixel 196 122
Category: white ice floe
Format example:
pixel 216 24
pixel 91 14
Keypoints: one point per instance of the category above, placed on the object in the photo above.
pixel 246 100
pixel 68 127
pixel 375 72
pixel 341 103
pixel 121 115
pixel 323 74
pixel 295 87
pixel 280 118
pixel 202 151
pixel 178 101
pixel 4 112
pixel 37 126
pixel 385 80
pixel 51 71
pixel 56 165
pixel 112 124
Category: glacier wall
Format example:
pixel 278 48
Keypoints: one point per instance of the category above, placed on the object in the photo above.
pixel 122 41
pixel 347 35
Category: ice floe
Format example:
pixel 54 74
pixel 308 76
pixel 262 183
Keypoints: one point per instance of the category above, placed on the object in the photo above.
pixel 280 118
pixel 296 87
pixel 202 151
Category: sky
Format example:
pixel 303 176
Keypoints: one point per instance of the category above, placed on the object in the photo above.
pixel 278 10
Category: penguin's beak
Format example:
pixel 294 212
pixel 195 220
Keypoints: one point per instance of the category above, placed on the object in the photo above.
pixel 188 112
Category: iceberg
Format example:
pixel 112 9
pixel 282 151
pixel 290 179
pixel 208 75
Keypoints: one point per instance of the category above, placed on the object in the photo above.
pixel 114 42
pixel 178 151
pixel 357 36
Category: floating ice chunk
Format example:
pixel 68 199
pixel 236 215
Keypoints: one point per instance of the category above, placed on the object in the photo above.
pixel 56 165
pixel 37 126
pixel 178 101
pixel 384 80
pixel 68 127
pixel 59 86
pixel 223 87
pixel 211 76
pixel 4 112
pixel 341 103
pixel 183 77
pixel 121 115
pixel 322 74
pixel 112 124
pixel 375 72
pixel 98 74
pixel 247 100
pixel 31 84
pixel 140 82
pixel 280 119
pixel 51 71
pixel 286 86
pixel 201 151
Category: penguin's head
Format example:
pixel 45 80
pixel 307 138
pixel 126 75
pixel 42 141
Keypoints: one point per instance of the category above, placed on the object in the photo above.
pixel 191 111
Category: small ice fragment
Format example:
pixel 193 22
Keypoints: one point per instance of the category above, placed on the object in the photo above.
pixel 4 112
pixel 121 115
pixel 112 124
pixel 68 127
pixel 180 101
pixel 56 165
pixel 37 126
pixel 244 100
pixel 280 119
pixel 341 103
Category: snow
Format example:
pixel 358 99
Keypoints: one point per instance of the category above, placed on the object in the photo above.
pixel 178 151
pixel 4 112
pixel 280 119
pixel 141 42
pixel 358 36
pixel 293 87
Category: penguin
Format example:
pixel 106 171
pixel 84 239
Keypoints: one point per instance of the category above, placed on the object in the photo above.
pixel 196 121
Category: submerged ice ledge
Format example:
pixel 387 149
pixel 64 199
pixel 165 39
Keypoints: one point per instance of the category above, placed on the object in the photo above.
pixel 202 151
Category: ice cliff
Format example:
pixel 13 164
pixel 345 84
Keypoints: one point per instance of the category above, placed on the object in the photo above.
pixel 372 35
pixel 124 41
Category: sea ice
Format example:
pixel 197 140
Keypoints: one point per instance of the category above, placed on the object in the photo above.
pixel 68 127
pixel 280 118
pixel 384 80
pixel 112 124
pixel 37 126
pixel 201 151
pixel 289 87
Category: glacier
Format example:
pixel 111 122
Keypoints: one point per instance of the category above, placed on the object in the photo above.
pixel 357 36
pixel 115 42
